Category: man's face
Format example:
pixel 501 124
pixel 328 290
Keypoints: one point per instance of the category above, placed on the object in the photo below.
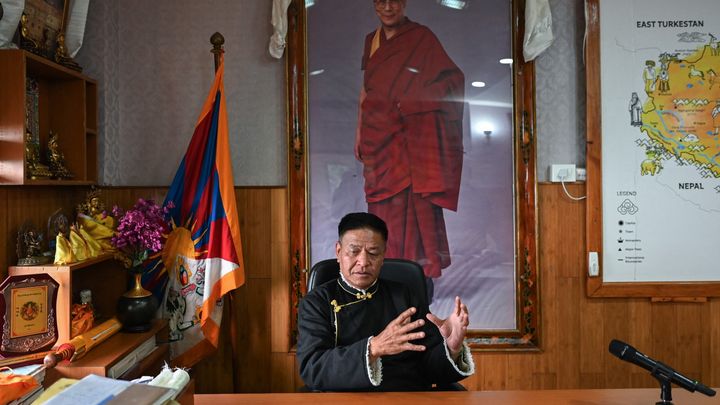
pixel 360 253
pixel 390 12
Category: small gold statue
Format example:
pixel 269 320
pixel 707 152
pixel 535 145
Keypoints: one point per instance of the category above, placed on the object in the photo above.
pixel 61 55
pixel 29 246
pixel 26 42
pixel 57 159
pixel 92 205
pixel 95 221
pixel 35 169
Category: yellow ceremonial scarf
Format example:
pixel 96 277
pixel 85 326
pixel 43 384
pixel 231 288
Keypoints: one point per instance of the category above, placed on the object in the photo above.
pixel 98 230
pixel 375 42
pixel 78 245
pixel 63 251
pixel 93 246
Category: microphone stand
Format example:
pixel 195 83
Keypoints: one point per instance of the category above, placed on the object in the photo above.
pixel 663 373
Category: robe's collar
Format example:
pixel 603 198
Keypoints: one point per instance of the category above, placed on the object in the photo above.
pixel 406 26
pixel 359 293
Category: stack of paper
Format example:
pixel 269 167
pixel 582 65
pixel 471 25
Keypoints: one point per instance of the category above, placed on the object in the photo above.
pixel 132 359
pixel 96 390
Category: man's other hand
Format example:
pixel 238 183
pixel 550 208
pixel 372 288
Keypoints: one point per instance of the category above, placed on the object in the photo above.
pixel 396 336
pixel 454 327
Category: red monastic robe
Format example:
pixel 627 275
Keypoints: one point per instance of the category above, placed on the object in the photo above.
pixel 411 141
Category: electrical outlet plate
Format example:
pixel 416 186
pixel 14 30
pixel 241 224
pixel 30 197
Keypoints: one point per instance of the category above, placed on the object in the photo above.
pixel 564 173
pixel 593 264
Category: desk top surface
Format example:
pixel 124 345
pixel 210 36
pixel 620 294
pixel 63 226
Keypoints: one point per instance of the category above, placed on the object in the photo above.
pixel 644 396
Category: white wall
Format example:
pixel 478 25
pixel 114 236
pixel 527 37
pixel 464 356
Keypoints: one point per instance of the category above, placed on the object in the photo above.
pixel 154 68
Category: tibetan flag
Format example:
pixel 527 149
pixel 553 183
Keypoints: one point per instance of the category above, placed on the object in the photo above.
pixel 202 258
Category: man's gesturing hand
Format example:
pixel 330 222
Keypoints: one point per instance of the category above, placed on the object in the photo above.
pixel 396 336
pixel 453 328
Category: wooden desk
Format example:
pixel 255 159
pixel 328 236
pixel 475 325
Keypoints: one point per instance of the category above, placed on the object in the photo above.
pixel 644 396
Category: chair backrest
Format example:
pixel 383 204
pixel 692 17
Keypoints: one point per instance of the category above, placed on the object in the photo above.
pixel 397 270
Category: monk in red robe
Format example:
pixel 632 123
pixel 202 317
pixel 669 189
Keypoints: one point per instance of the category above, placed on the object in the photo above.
pixel 409 135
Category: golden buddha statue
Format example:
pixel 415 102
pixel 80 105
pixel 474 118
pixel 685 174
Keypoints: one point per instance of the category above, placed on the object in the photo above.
pixel 57 159
pixel 95 221
pixel 35 169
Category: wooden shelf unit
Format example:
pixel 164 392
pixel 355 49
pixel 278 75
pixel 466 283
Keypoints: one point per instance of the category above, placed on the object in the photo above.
pixel 67 106
pixel 103 275
pixel 102 357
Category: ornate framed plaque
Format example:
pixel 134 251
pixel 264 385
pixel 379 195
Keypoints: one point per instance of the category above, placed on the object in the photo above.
pixel 40 25
pixel 28 315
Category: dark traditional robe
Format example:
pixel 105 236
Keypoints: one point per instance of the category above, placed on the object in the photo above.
pixel 411 139
pixel 337 361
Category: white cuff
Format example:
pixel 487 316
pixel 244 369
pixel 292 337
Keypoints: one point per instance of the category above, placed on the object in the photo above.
pixel 374 369
pixel 465 365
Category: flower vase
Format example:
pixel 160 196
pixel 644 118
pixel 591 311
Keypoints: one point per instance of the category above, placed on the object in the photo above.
pixel 136 308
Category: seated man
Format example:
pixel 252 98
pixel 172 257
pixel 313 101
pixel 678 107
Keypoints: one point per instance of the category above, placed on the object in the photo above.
pixel 361 333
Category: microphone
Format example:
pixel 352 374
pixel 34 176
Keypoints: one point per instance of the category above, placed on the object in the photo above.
pixel 659 370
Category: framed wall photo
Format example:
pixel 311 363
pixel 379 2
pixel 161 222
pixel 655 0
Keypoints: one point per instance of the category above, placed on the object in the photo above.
pixel 28 316
pixel 653 148
pixel 442 122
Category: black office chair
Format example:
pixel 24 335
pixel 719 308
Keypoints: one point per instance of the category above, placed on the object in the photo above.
pixel 397 270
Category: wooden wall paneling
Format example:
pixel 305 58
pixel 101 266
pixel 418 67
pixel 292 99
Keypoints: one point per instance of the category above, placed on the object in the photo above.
pixel 639 336
pixel 567 351
pixel 690 321
pixel 5 251
pixel 711 358
pixel 549 310
pixel 253 340
pixel 126 197
pixel 616 325
pixel 544 381
pixel 215 374
pixel 255 219
pixel 639 317
pixel 493 372
pixel 282 371
pixel 559 267
pixel 592 341
pixel 664 332
pixel 280 273
pixel 704 347
pixel 518 370
pixel 562 237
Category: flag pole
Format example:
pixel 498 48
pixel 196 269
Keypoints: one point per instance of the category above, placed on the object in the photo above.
pixel 217 41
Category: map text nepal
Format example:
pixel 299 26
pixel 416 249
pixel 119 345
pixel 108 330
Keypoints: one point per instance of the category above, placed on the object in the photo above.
pixel 681 115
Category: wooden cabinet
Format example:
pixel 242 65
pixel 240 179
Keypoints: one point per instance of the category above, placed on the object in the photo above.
pixel 123 355
pixel 103 275
pixel 101 359
pixel 67 106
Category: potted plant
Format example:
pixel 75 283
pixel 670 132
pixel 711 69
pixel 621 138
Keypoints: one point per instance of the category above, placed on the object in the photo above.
pixel 139 233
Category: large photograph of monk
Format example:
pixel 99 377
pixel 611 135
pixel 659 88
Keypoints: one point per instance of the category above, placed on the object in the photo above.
pixel 410 118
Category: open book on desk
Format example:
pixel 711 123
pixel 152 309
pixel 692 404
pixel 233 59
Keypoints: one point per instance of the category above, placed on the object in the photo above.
pixel 96 390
